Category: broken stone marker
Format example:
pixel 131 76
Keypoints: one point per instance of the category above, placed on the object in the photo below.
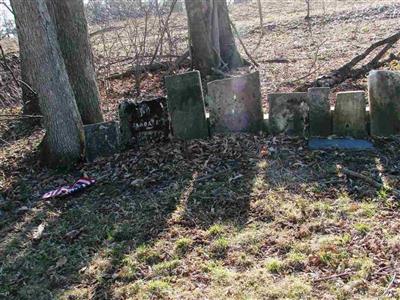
pixel 186 106
pixel 235 104
pixel 142 121
pixel 384 98
pixel 101 140
pixel 320 122
pixel 287 113
pixel 349 117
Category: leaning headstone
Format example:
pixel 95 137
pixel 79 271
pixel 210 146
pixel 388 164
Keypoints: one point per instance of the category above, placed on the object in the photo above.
pixel 349 117
pixel 186 106
pixel 235 104
pixel 384 98
pixel 141 121
pixel 101 140
pixel 288 113
pixel 320 122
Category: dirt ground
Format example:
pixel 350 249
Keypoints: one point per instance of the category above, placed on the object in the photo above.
pixel 232 217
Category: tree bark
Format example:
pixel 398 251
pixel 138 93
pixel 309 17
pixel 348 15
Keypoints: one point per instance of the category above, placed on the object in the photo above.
pixel 229 53
pixel 64 140
pixel 212 42
pixel 203 55
pixel 30 99
pixel 73 38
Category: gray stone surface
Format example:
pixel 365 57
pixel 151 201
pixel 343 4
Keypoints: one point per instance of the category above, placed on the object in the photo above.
pixel 384 98
pixel 101 140
pixel 186 106
pixel 349 117
pixel 340 144
pixel 235 104
pixel 287 113
pixel 320 120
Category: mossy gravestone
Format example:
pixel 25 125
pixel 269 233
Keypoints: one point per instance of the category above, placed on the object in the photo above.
pixel 349 117
pixel 101 140
pixel 235 104
pixel 320 122
pixel 384 98
pixel 186 106
pixel 287 113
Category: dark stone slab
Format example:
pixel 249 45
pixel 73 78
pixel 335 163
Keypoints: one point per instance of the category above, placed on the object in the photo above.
pixel 320 121
pixel 101 140
pixel 235 104
pixel 288 113
pixel 340 144
pixel 143 120
pixel 349 117
pixel 186 106
pixel 384 98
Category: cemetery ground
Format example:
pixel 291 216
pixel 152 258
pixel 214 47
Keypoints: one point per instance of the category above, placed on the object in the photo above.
pixel 232 217
pixel 235 217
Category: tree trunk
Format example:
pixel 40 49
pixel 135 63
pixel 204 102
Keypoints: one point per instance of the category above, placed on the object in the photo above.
pixel 64 140
pixel 30 99
pixel 203 55
pixel 212 41
pixel 72 32
pixel 229 53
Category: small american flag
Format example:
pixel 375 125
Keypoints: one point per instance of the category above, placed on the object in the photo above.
pixel 71 189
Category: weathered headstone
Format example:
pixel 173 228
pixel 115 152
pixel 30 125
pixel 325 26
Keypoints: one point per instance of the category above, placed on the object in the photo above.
pixel 186 106
pixel 320 122
pixel 349 117
pixel 288 113
pixel 384 98
pixel 143 120
pixel 235 104
pixel 101 140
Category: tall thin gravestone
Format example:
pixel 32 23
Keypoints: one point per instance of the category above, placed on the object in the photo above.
pixel 320 121
pixel 186 106
pixel 384 98
pixel 235 104
pixel 287 113
pixel 349 118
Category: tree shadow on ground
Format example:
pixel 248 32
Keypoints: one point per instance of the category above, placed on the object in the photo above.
pixel 87 239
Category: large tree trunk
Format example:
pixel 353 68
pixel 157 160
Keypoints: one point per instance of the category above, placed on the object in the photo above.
pixel 212 41
pixel 72 32
pixel 229 53
pixel 199 17
pixel 64 141
pixel 30 98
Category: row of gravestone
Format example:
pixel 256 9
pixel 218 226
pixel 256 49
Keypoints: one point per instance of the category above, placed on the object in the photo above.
pixel 235 105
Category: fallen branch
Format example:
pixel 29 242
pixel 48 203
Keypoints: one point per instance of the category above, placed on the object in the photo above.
pixel 105 30
pixel 367 179
pixel 156 66
pixel 347 71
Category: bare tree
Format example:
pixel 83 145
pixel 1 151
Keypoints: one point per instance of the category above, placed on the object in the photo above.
pixel 73 38
pixel 211 36
pixel 64 140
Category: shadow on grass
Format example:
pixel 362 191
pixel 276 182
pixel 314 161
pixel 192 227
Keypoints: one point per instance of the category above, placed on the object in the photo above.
pixel 86 239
